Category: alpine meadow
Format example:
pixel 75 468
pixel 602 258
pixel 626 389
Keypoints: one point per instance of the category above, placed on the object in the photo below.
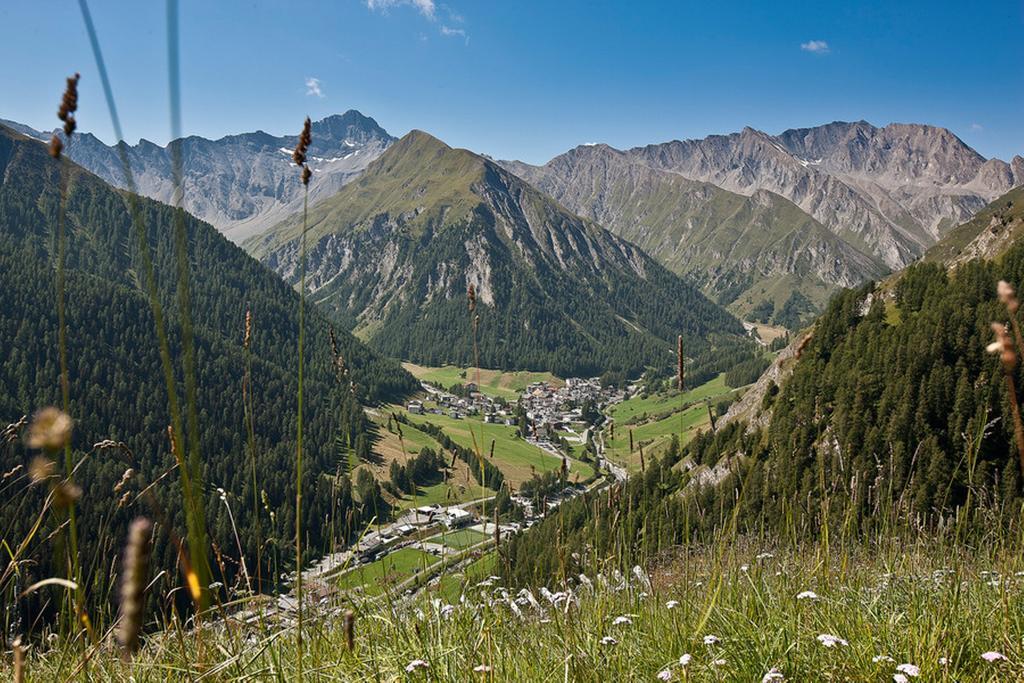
pixel 536 342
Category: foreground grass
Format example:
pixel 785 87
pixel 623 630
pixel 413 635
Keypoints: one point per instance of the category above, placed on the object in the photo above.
pixel 934 608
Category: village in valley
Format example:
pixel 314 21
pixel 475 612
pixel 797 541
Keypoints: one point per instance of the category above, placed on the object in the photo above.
pixel 545 412
pixel 553 439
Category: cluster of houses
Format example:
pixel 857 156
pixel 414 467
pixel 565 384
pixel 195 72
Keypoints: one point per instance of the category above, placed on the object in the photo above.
pixel 458 407
pixel 377 542
pixel 552 409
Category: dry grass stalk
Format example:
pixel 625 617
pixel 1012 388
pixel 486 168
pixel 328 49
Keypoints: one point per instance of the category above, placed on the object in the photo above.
pixel 680 362
pixel 348 622
pixel 711 416
pixel 134 573
pixel 19 660
pixel 1008 297
pixel 299 157
pixel 802 346
pixel 1003 346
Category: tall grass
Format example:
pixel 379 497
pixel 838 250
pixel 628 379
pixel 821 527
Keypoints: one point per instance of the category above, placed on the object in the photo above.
pixel 299 157
pixel 196 525
pixel 723 606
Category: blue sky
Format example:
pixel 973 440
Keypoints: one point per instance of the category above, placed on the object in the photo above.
pixel 529 79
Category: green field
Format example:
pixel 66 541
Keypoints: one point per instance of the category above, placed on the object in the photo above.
pixel 460 540
pixel 656 404
pixel 498 383
pixel 377 577
pixel 446 493
pixel 516 458
pixel 656 434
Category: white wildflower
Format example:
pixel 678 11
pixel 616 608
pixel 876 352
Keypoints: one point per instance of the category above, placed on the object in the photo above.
pixel 664 675
pixel 710 640
pixel 671 604
pixel 608 640
pixel 900 678
pixel 622 620
pixel 993 656
pixel 482 669
pixel 641 576
pixel 685 659
pixel 911 670
pixel 764 556
pixel 829 640
pixel 807 595
pixel 718 662
pixel 773 675
pixel 416 664
pixel 878 659
pixel 744 568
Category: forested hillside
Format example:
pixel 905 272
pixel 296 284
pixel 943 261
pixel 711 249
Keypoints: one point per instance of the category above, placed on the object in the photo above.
pixel 894 411
pixel 116 386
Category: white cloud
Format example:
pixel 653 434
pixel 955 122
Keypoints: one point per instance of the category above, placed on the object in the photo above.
pixel 818 47
pixel 450 32
pixel 977 126
pixel 425 7
pixel 313 87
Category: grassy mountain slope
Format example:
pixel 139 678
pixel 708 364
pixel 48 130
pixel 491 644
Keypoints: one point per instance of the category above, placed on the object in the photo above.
pixel 989 234
pixel 116 386
pixel 735 247
pixel 394 252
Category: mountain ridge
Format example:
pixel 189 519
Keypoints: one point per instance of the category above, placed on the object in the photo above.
pixel 393 253
pixel 845 176
pixel 237 182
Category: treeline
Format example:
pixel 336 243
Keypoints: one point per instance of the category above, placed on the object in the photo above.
pixel 422 469
pixel 117 390
pixel 484 471
pixel 637 518
pixel 894 417
pixel 569 323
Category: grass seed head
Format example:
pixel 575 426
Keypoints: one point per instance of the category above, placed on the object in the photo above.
pixel 349 626
pixel 69 105
pixel 305 139
pixel 134 572
pixel 1003 345
pixel 56 146
pixel 41 469
pixel 66 494
pixel 1007 296
pixel 50 429
pixel 680 379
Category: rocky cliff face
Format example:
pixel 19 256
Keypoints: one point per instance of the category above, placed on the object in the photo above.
pixel 897 189
pixel 740 249
pixel 891 191
pixel 244 183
